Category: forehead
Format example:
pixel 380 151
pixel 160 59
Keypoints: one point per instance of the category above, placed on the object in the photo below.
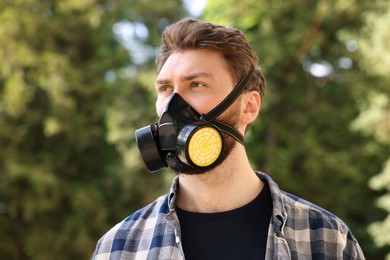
pixel 191 61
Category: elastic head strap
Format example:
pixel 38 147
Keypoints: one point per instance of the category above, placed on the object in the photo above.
pixel 221 107
pixel 229 130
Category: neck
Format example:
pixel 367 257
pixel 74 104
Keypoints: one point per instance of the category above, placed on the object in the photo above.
pixel 231 185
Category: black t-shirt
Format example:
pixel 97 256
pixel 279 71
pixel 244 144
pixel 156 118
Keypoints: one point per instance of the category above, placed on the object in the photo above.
pixel 236 234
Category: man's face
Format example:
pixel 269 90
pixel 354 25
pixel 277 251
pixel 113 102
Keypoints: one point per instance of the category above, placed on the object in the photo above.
pixel 203 79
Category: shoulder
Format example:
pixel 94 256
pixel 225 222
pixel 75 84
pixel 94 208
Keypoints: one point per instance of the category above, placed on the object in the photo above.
pixel 326 234
pixel 309 230
pixel 299 206
pixel 299 213
pixel 129 233
pixel 306 215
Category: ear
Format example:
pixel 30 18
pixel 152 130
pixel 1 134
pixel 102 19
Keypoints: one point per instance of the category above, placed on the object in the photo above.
pixel 251 103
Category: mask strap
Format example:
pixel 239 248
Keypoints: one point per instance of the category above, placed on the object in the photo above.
pixel 233 95
pixel 229 130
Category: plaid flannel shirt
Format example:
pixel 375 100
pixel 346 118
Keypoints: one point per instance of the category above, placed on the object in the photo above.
pixel 298 230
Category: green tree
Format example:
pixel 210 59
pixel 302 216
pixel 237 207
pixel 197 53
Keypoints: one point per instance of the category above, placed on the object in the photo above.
pixel 315 79
pixel 374 117
pixel 70 98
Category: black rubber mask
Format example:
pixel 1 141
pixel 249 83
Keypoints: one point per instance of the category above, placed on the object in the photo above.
pixel 183 136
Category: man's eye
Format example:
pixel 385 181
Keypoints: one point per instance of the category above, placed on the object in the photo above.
pixel 196 84
pixel 165 89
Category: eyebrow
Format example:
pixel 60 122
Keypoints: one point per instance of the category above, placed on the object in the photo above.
pixel 186 77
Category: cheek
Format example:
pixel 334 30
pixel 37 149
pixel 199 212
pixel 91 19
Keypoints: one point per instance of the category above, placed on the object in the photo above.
pixel 232 115
pixel 159 107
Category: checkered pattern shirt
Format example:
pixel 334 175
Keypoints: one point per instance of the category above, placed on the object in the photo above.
pixel 298 230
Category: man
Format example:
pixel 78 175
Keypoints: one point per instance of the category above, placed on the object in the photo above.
pixel 209 90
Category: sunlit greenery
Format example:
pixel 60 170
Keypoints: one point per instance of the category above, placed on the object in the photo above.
pixel 76 80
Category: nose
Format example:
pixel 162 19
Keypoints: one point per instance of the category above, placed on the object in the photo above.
pixel 163 100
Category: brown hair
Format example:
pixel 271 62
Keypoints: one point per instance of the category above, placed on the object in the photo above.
pixel 190 33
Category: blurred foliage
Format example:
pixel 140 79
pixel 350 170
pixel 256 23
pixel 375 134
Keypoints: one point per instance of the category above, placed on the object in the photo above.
pixel 76 80
pixel 374 117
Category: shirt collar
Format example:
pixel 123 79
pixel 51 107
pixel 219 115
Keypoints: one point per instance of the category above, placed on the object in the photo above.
pixel 279 214
pixel 172 194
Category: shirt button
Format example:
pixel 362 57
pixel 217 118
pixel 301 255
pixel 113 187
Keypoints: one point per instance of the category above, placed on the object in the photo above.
pixel 177 240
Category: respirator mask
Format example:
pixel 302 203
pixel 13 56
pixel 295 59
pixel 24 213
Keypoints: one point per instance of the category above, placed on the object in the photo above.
pixel 182 136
